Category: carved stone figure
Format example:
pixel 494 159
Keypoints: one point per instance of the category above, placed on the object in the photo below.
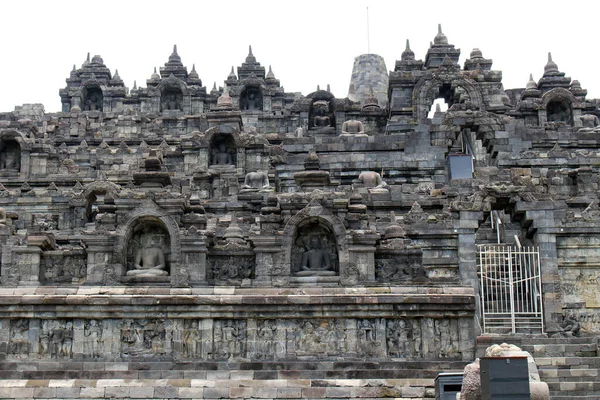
pixel 315 260
pixel 150 259
pixel 229 339
pixel 353 128
pixel 191 339
pixel 251 99
pixel 266 339
pixel 19 345
pixel 321 117
pixel 256 181
pixel 590 123
pixel 10 156
pixel 397 335
pixel 92 332
pixel 373 182
pixel 221 155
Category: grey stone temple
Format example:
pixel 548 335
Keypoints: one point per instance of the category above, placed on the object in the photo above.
pixel 178 241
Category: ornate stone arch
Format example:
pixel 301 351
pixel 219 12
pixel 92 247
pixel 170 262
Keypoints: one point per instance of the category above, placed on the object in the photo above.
pixel 173 81
pixel 90 88
pixel 92 190
pixel 314 212
pixel 249 84
pixel 424 91
pixel 14 152
pixel 148 212
pixel 563 99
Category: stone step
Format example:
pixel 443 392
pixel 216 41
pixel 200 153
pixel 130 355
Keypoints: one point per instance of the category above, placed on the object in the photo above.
pixel 221 374
pixel 567 362
pixel 582 388
pixel 209 389
pixel 562 350
pixel 565 374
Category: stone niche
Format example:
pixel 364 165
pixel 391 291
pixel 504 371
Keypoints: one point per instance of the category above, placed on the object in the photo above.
pixel 10 155
pixel 149 244
pixel 251 99
pixel 223 150
pixel 314 250
pixel 93 100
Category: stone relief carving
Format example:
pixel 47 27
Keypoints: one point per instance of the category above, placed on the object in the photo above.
pixel 56 339
pixel 93 345
pixel 368 341
pixel 266 338
pixel 230 269
pixel 143 337
pixel 317 337
pixel 192 339
pixel 229 339
pixel 58 268
pixel 19 345
pixel 400 268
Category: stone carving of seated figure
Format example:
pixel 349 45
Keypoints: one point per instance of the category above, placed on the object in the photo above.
pixel 373 182
pixel 321 119
pixel 256 181
pixel 10 159
pixel 353 128
pixel 590 123
pixel 316 260
pixel 149 259
pixel 222 156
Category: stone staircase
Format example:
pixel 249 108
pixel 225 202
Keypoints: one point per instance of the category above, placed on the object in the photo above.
pixel 211 380
pixel 570 366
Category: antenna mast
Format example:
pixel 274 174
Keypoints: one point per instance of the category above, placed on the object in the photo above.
pixel 368 34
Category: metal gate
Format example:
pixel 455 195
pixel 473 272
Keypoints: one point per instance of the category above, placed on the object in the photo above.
pixel 511 289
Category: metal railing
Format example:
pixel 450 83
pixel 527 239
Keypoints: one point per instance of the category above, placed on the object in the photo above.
pixel 511 289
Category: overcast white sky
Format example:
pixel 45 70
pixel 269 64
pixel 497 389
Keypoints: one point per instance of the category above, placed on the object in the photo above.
pixel 308 43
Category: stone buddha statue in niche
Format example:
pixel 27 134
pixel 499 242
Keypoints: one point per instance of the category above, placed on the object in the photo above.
pixel 373 182
pixel 256 181
pixel 149 259
pixel 353 128
pixel 316 260
pixel 221 155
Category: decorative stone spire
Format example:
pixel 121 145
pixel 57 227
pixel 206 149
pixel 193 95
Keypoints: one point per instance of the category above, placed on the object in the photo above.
pixel 232 76
pixel 394 231
pixel 476 53
pixel 551 67
pixel 250 58
pixel 87 60
pixel 224 101
pixel 328 88
pixel 531 84
pixel 174 57
pixel 440 38
pixel 193 74
pixel 408 54
pixel 233 233
pixel 270 74
pixel 371 101
pixel 214 90
pixel 155 75
pixel 74 72
pixel 134 85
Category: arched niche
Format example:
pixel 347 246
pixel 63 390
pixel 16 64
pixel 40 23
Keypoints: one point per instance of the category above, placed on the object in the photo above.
pixel 251 99
pixel 148 222
pixel 453 89
pixel 94 194
pixel 93 98
pixel 171 99
pixel 147 234
pixel 315 221
pixel 10 154
pixel 321 113
pixel 558 105
pixel 223 150
pixel 559 111
pixel 314 249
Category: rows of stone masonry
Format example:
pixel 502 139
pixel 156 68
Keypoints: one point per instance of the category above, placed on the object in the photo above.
pixel 570 366
pixel 195 380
